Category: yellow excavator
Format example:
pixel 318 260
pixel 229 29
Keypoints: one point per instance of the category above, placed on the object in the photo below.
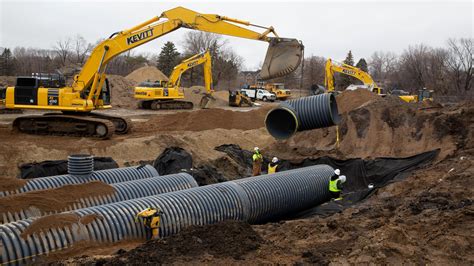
pixel 333 66
pixel 166 94
pixel 90 88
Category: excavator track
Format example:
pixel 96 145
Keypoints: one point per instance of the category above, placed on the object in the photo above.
pixel 121 125
pixel 167 105
pixel 64 125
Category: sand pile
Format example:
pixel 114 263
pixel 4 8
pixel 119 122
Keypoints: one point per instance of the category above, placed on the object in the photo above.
pixel 53 200
pixel 205 119
pixel 195 93
pixel 350 100
pixel 62 220
pixel 122 92
pixel 146 73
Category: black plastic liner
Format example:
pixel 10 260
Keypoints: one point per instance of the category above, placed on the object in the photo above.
pixel 360 173
pixel 59 167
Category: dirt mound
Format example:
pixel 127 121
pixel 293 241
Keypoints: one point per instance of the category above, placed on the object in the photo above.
pixel 54 200
pixel 384 127
pixel 195 93
pixel 11 184
pixel 229 239
pixel 349 100
pixel 205 119
pixel 146 73
pixel 122 92
pixel 62 220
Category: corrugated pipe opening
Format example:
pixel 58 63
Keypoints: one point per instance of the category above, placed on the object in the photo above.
pixel 305 113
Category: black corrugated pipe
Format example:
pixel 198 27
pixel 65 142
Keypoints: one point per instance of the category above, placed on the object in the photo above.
pixel 305 113
pixel 123 191
pixel 256 199
pixel 195 206
pixel 109 176
pixel 276 195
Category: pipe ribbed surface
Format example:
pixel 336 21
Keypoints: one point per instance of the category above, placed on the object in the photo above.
pixel 256 199
pixel 123 191
pixel 305 113
pixel 109 176
pixel 275 195
pixel 80 165
pixel 195 206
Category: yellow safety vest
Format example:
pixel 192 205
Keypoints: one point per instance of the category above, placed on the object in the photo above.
pixel 256 156
pixel 333 185
pixel 272 170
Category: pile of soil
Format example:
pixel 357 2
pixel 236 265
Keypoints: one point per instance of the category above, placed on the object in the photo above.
pixel 228 239
pixel 61 220
pixel 11 184
pixel 146 73
pixel 349 100
pixel 205 119
pixel 122 92
pixel 53 200
pixel 195 93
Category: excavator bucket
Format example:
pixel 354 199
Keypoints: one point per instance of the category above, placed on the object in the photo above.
pixel 283 57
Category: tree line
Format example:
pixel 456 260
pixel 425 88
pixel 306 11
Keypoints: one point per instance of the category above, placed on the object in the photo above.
pixel 68 55
pixel 446 70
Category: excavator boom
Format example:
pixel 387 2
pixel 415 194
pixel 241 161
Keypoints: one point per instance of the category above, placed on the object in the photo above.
pixel 364 77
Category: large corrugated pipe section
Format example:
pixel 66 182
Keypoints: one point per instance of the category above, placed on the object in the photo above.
pixel 254 199
pixel 109 176
pixel 123 191
pixel 305 113
pixel 276 195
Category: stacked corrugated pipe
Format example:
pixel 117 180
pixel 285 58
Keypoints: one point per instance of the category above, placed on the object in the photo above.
pixel 109 176
pixel 122 191
pixel 256 200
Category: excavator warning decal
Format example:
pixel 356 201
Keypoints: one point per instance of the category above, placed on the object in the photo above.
pixel 139 36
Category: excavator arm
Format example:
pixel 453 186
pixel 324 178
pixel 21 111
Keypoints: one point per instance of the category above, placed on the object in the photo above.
pixel 195 60
pixel 283 56
pixel 332 67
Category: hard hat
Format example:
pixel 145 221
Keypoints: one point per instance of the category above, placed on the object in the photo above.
pixel 337 172
pixel 256 149
pixel 274 160
pixel 342 178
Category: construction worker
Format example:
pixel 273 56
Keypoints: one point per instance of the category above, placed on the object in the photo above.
pixel 335 184
pixel 272 166
pixel 151 221
pixel 257 159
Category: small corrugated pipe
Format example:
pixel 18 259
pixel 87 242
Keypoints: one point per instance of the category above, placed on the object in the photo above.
pixel 301 114
pixel 80 165
pixel 109 176
pixel 123 191
pixel 256 199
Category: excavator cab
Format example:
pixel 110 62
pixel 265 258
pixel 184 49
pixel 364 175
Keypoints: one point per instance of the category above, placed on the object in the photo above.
pixel 283 57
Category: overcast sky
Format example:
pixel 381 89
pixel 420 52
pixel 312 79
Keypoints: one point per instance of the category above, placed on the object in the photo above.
pixel 327 28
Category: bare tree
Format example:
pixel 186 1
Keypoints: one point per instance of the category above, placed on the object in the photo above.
pixel 314 71
pixel 460 62
pixel 63 50
pixel 381 64
pixel 81 49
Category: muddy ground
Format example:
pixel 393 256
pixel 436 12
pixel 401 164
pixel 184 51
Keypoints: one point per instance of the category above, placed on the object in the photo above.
pixel 422 219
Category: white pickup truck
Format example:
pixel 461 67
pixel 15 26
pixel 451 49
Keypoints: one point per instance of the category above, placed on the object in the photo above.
pixel 259 94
